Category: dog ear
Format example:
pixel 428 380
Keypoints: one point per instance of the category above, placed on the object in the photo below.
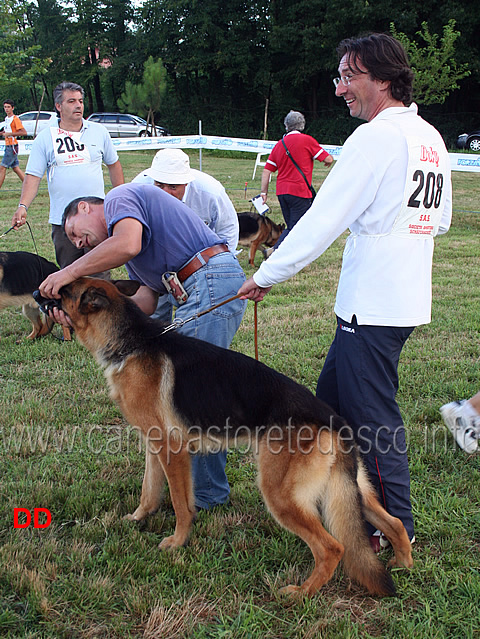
pixel 127 287
pixel 93 300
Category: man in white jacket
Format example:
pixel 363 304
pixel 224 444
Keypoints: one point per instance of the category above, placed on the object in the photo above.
pixel 392 188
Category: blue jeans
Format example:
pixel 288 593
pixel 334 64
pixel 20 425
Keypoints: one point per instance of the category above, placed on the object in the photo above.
pixel 216 281
pixel 359 380
pixel 164 309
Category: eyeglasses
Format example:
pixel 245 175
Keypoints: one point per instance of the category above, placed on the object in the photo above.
pixel 344 79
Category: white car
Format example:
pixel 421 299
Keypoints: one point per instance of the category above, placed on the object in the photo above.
pixel 125 125
pixel 35 121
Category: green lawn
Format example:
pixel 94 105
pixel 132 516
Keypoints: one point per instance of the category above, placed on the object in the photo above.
pixel 66 447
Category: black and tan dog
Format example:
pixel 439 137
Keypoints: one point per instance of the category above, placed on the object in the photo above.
pixel 256 229
pixel 185 395
pixel 20 274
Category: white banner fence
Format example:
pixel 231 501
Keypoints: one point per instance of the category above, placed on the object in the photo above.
pixel 458 161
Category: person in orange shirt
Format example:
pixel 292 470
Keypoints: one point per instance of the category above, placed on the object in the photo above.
pixel 12 128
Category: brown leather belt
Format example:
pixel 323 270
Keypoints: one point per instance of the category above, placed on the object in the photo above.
pixel 196 263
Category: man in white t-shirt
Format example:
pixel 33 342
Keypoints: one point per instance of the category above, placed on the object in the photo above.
pixel 72 154
pixel 392 188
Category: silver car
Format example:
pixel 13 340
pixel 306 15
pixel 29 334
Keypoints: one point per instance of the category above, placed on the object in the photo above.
pixel 35 121
pixel 124 125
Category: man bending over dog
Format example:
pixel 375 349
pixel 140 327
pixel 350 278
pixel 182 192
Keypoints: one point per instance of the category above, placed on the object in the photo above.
pixel 165 246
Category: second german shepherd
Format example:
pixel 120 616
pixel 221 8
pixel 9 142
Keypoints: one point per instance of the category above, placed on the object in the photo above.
pixel 256 229
pixel 20 274
pixel 187 395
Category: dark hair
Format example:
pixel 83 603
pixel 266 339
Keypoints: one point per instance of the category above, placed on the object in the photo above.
pixel 384 58
pixel 72 207
pixel 10 102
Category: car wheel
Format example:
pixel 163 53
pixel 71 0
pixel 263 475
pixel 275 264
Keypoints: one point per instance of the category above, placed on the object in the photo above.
pixel 145 134
pixel 474 144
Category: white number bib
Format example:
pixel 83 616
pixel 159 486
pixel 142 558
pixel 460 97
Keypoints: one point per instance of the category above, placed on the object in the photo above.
pixel 68 148
pixel 423 198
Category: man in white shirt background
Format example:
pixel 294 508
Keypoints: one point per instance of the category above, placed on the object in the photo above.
pixel 71 153
pixel 170 171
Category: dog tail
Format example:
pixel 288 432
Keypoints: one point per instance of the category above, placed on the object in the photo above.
pixel 343 516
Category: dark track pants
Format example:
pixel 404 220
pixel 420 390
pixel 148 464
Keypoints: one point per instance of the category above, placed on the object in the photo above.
pixel 359 380
pixel 293 208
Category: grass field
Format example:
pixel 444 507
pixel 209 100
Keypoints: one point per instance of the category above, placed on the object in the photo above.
pixel 64 446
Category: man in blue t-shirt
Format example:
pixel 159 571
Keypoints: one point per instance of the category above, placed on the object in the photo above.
pixel 153 233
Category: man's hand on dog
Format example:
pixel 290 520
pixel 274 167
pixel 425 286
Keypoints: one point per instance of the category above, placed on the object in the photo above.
pixel 251 291
pixel 53 283
pixel 49 289
pixel 58 316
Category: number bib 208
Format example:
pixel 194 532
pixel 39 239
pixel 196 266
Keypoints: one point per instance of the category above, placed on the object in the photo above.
pixel 423 198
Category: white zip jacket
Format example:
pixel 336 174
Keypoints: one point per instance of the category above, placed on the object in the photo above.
pixel 392 188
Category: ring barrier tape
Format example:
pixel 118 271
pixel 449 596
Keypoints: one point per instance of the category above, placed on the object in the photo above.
pixel 458 161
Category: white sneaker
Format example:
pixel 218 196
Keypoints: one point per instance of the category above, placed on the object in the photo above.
pixel 379 542
pixel 463 426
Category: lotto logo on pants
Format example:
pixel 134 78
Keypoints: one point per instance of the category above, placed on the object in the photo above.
pixel 24 521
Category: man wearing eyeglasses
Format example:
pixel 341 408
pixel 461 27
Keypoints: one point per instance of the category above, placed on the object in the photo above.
pixel 392 188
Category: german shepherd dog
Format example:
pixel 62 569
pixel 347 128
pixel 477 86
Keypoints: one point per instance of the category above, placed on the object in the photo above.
pixel 187 395
pixel 256 229
pixel 20 274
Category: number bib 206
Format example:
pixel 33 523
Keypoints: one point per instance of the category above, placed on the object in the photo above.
pixel 68 148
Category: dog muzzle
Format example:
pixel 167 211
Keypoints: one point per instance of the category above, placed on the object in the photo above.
pixel 46 305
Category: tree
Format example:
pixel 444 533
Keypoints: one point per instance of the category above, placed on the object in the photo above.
pixel 216 58
pixel 437 72
pixel 20 60
pixel 147 95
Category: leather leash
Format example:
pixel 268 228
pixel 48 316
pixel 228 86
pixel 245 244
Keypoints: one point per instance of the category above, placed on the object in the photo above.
pixel 177 323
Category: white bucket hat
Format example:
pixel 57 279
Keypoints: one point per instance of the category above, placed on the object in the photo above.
pixel 171 166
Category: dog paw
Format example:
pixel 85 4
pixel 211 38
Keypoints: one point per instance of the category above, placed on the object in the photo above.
pixel 139 514
pixel 292 591
pixel 169 543
pixel 401 562
pixel 130 517
pixel 140 521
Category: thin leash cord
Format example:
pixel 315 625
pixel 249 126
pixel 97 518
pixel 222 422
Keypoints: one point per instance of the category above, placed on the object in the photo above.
pixel 36 250
pixel 34 245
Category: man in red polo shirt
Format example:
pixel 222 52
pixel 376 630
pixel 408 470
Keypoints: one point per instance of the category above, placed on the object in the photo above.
pixel 293 158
